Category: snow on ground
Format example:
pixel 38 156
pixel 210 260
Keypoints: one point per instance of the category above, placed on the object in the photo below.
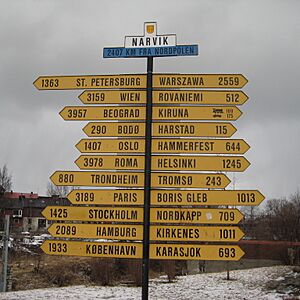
pixel 244 284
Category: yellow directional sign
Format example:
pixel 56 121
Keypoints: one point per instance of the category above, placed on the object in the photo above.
pixel 107 113
pixel 164 97
pixel 167 197
pixel 199 146
pixel 174 129
pixel 163 163
pixel 196 252
pixel 157 233
pixel 134 179
pixel 99 249
pixel 191 146
pixel 199 163
pixel 115 129
pixel 199 81
pixel 189 180
pixel 107 197
pixel 111 146
pixel 113 97
pixel 100 231
pixel 232 197
pixel 134 250
pixel 195 216
pixel 199 97
pixel 231 113
pixel 122 81
pixel 99 179
pixel 195 233
pixel 93 214
pixel 189 129
pixel 110 162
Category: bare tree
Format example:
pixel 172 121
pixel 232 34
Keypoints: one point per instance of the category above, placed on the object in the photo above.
pixel 5 180
pixel 281 218
pixel 60 191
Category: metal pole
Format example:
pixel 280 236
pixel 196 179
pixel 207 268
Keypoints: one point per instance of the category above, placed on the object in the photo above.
pixel 5 253
pixel 147 181
pixel 233 187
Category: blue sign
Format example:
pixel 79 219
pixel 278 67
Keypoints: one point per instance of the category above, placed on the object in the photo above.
pixel 122 52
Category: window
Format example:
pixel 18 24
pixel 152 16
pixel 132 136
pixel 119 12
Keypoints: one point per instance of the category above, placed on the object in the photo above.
pixel 41 223
pixel 17 213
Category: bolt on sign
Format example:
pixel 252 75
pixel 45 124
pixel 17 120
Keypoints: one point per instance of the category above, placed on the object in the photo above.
pixel 152 142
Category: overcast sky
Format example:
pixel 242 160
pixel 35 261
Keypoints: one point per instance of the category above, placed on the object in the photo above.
pixel 259 39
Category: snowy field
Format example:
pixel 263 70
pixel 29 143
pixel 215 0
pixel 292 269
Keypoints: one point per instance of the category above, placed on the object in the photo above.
pixel 244 284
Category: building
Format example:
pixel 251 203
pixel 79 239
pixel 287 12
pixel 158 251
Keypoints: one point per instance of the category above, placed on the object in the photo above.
pixel 26 209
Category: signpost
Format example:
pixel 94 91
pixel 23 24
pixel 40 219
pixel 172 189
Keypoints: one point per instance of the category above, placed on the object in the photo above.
pixel 163 163
pixel 113 97
pixel 134 250
pixel 193 129
pixel 104 179
pixel 195 216
pixel 121 81
pixel 157 232
pixel 115 129
pixel 196 113
pixel 192 97
pixel 110 162
pixel 160 129
pixel 167 197
pixel 103 249
pixel 97 231
pixel 199 81
pixel 111 146
pixel 107 197
pixel 189 180
pixel 93 214
pixel 167 145
pixel 188 97
pixel 210 197
pixel 77 113
pixel 196 252
pixel 199 163
pixel 106 113
pixel 147 139
pixel 134 179
pixel 199 146
pixel 196 233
